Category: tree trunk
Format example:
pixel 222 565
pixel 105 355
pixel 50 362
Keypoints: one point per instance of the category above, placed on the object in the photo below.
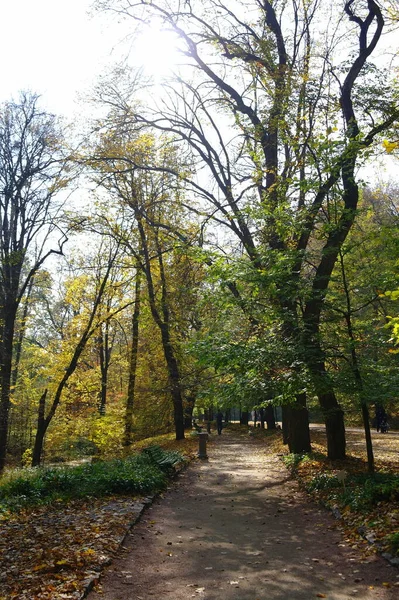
pixel 298 426
pixel 21 334
pixel 4 408
pixel 269 417
pixel 285 419
pixel 102 400
pixel 244 418
pixel 356 367
pixel 332 412
pixel 8 316
pixel 42 425
pixel 367 433
pixel 335 427
pixel 127 440
pixel 164 326
pixel 174 382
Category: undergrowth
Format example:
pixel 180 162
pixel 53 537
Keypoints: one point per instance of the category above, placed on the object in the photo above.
pixel 137 474
pixel 365 501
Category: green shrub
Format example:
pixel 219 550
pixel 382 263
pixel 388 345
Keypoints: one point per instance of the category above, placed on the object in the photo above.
pixel 365 491
pixel 393 541
pixel 323 481
pixel 138 474
pixel 361 492
pixel 292 461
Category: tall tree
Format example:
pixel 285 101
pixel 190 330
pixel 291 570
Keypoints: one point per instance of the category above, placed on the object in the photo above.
pixel 150 207
pixel 76 344
pixel 353 328
pixel 280 132
pixel 30 175
pixel 131 391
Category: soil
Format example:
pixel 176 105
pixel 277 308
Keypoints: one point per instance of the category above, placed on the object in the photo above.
pixel 236 526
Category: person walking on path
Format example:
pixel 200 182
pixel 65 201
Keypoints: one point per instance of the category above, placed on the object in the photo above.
pixel 237 527
pixel 219 422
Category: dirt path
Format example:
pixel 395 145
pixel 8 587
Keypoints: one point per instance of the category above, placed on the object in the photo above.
pixel 236 527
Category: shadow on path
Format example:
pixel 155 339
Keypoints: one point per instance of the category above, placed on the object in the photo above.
pixel 236 527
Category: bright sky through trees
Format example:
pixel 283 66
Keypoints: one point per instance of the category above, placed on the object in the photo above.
pixel 58 50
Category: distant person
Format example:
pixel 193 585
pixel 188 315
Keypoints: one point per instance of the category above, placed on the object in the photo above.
pixel 219 421
pixel 381 419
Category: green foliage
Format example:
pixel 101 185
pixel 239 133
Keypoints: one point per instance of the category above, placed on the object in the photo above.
pixel 138 474
pixel 361 491
pixel 393 541
pixel 365 491
pixel 107 431
pixel 292 461
pixel 26 459
pixel 323 481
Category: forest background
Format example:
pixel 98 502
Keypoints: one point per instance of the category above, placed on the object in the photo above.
pixel 215 241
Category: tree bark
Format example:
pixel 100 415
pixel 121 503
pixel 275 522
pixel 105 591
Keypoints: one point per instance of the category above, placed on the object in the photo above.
pixel 332 412
pixel 104 363
pixel 269 416
pixel 7 317
pixel 298 435
pixel 262 418
pixel 42 425
pixel 162 320
pixel 244 417
pixel 133 362
pixel 356 368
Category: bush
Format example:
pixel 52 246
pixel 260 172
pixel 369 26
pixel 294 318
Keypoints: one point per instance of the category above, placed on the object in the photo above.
pixel 365 491
pixel 361 491
pixel 393 543
pixel 138 474
pixel 292 461
pixel 323 481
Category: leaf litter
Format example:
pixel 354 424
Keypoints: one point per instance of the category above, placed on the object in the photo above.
pixel 54 552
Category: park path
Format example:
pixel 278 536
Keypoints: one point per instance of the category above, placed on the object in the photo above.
pixel 237 527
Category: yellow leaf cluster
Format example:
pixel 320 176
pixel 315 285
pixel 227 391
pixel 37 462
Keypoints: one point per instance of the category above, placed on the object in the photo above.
pixel 390 146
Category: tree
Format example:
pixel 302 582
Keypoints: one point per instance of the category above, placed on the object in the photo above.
pixel 31 173
pixel 80 337
pixel 150 210
pixel 354 333
pixel 131 391
pixel 280 131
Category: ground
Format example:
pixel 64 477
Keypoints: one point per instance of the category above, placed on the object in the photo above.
pixel 238 527
pixel 235 526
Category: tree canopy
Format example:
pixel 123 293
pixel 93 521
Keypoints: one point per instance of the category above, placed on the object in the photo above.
pixel 254 265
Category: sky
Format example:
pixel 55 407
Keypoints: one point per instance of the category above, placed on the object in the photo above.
pixel 47 46
pixel 55 48
pixel 59 48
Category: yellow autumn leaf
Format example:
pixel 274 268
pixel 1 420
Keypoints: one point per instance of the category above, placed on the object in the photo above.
pixel 390 146
pixel 40 567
